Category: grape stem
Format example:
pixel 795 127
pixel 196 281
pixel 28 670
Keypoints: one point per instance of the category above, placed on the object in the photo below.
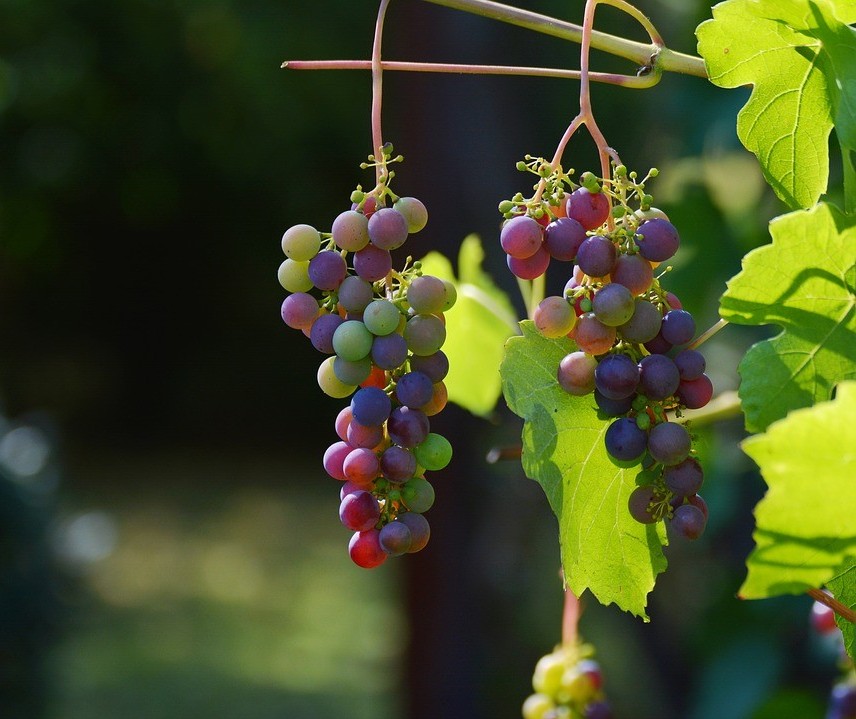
pixel 637 82
pixel 840 609
pixel 570 619
pixel 377 93
pixel 655 56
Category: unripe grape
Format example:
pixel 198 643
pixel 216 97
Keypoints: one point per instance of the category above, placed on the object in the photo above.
pixel 575 373
pixel 350 230
pixel 425 334
pixel 592 336
pixel 613 305
pixel 427 294
pixel 417 495
pixel 387 229
pixel 329 383
pixel 352 340
pixel 381 317
pixel 293 275
pixel 537 706
pixel 301 242
pixel 434 453
pixel 547 677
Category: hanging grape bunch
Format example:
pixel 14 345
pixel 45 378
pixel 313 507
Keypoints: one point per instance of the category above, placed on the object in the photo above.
pixel 632 335
pixel 381 331
pixel 568 684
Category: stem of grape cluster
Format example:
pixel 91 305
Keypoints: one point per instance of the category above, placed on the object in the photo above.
pixel 840 609
pixel 377 91
pixel 570 618
pixel 707 334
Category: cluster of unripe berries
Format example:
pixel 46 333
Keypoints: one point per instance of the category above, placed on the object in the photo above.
pixel 382 332
pixel 568 684
pixel 631 335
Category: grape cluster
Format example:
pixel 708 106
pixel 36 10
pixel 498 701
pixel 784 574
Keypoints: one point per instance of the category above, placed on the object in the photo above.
pixel 842 696
pixel 631 334
pixel 568 684
pixel 381 331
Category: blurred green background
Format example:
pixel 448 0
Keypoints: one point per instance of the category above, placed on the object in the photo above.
pixel 170 544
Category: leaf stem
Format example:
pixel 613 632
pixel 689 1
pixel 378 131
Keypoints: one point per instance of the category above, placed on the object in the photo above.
pixel 707 334
pixel 629 81
pixel 640 53
pixel 840 609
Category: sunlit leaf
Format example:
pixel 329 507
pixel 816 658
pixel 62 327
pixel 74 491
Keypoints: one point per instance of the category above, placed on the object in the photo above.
pixel 603 548
pixel 805 282
pixel 800 60
pixel 805 532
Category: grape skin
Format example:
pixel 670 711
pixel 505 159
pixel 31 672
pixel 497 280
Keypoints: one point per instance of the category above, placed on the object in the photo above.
pixel 688 521
pixel 420 530
pixel 590 209
pixel 521 237
pixel 695 393
pixel 624 440
pixel 658 377
pixel 669 443
pixel 613 305
pixel 387 229
pixel 596 256
pixel 554 317
pixel 657 239
pixel 350 230
pixel 365 550
pixel 531 267
pixel 592 336
pixel 575 374
pixel 616 376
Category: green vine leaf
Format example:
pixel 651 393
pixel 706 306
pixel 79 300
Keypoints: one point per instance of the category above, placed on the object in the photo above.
pixel 805 282
pixel 482 317
pixel 603 548
pixel 799 56
pixel 805 532
pixel 843 588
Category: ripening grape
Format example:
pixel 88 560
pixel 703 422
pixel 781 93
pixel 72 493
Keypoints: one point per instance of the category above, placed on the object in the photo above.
pixel 420 531
pixel 327 270
pixel 381 317
pixel 695 393
pixel 414 389
pixel 644 325
pixel 678 327
pixel 407 427
pixel 427 295
pixel 434 452
pixel 563 237
pixel 293 275
pixel 690 364
pixel 625 441
pixel 365 549
pixel 334 459
pixel 590 209
pixel 634 272
pixel 370 406
pixel 575 374
pixel 592 336
pixel 354 294
pixel 616 376
pixel 596 256
pixel 531 267
pixel 389 351
pixel 613 407
pixel 361 466
pixel 684 478
pixel 554 317
pixel 329 383
pixel 352 372
pixel 613 305
pixel 688 521
pixel 669 443
pixel 425 334
pixel 395 538
pixel 640 504
pixel 435 365
pixel 322 330
pixel 299 310
pixel 521 237
pixel 658 377
pixel 372 263
pixel 397 464
pixel 350 230
pixel 414 212
pixel 387 229
pixel 417 495
pixel 352 340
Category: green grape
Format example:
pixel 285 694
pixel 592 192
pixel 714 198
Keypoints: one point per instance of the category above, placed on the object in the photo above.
pixel 301 242
pixel 293 275
pixel 417 495
pixel 425 334
pixel 434 453
pixel 352 340
pixel 451 295
pixel 329 383
pixel 536 706
pixel 381 317
pixel 352 372
pixel 426 294
pixel 547 677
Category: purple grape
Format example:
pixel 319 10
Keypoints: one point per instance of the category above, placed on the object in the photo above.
pixel 695 393
pixel 363 436
pixel 657 239
pixel 372 263
pixel 407 427
pixel 669 443
pixel 678 327
pixel 395 538
pixel 322 331
pixel 334 459
pixel 387 228
pixel 414 389
pixel 327 270
pixel 596 256
pixel 645 323
pixel 563 237
pixel 658 377
pixel 624 440
pixel 299 310
pixel 613 407
pixel 521 237
pixel 684 478
pixel 397 463
pixel 359 511
pixel 426 294
pixel 639 504
pixel 688 521
pixel 842 701
pixel 690 364
pixel 658 345
pixel 371 406
pixel 350 230
pixel 529 268
pixel 420 531
pixel 616 376
pixel 590 209
pixel 389 351
pixel 435 365
pixel 634 272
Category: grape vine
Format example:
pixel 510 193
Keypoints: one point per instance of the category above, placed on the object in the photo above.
pixel 608 376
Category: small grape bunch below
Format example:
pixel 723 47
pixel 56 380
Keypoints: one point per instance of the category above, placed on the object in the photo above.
pixel 568 684
pixel 633 338
pixel 382 332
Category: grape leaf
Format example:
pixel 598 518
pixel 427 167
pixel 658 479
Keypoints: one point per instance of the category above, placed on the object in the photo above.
pixel 603 548
pixel 805 531
pixel 843 588
pixel 483 317
pixel 799 57
pixel 805 281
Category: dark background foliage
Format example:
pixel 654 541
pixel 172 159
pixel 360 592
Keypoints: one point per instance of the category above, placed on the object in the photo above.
pixel 175 551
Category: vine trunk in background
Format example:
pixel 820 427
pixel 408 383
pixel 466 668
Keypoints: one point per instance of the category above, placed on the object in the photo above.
pixel 608 377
